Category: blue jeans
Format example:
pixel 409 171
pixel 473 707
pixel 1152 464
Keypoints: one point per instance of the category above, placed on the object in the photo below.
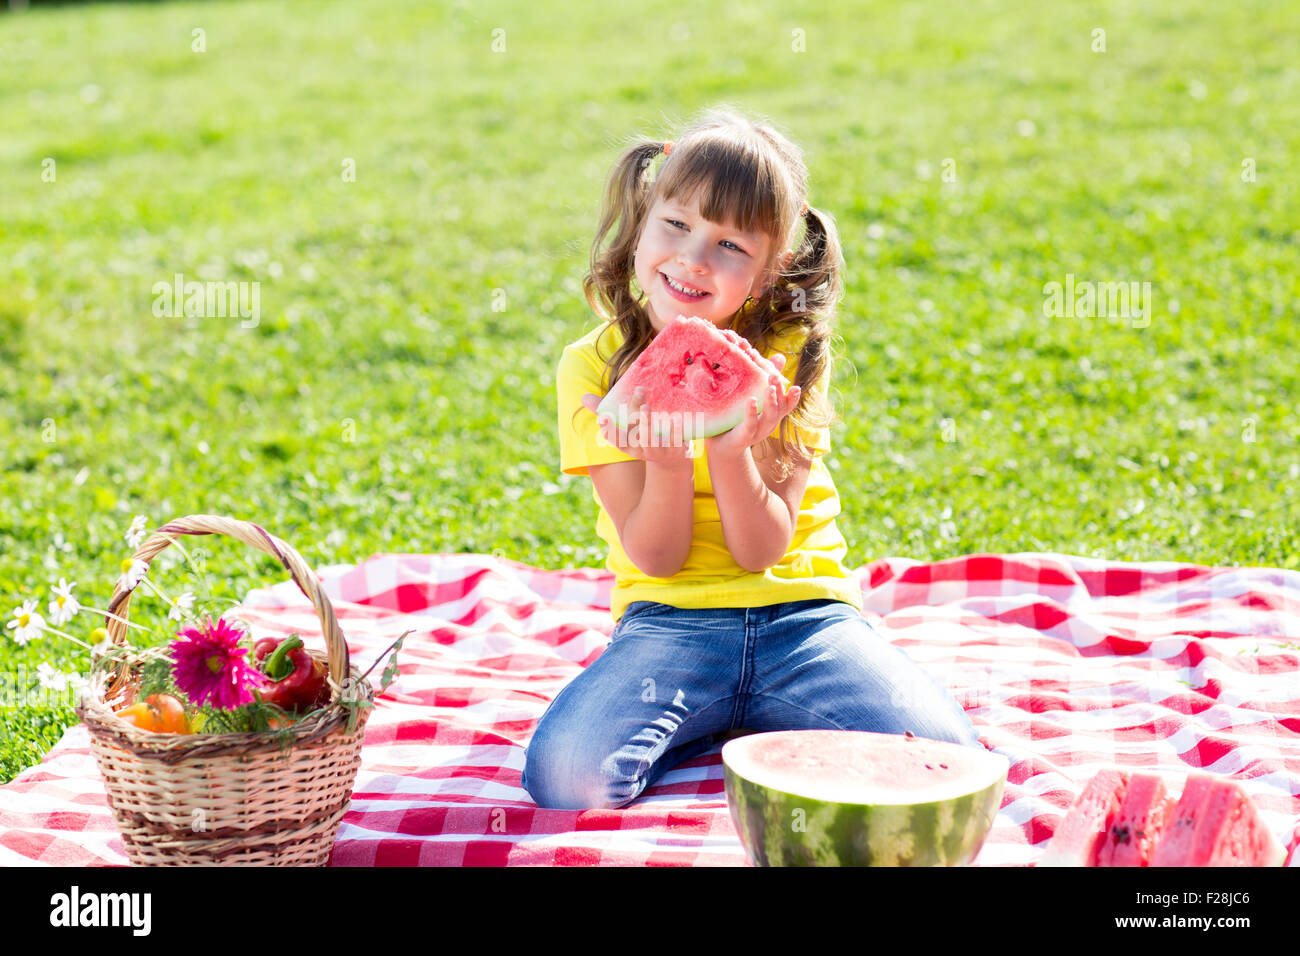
pixel 672 680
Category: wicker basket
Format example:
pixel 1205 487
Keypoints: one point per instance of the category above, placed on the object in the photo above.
pixel 228 798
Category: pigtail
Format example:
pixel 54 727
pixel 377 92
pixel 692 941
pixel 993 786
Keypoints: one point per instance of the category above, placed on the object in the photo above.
pixel 804 296
pixel 607 286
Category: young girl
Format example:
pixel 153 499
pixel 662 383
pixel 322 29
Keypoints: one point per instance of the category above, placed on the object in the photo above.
pixel 733 608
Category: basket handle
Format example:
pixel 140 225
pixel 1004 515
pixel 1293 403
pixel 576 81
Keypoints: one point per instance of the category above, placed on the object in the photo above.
pixel 250 534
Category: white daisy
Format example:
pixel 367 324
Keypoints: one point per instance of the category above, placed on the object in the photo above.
pixel 134 572
pixel 27 623
pixel 137 533
pixel 51 679
pixel 181 607
pixel 64 606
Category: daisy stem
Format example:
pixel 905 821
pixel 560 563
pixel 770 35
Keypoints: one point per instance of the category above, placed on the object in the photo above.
pixel 86 607
pixel 181 548
pixel 55 630
pixel 154 588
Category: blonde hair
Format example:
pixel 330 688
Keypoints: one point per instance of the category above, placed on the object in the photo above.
pixel 750 175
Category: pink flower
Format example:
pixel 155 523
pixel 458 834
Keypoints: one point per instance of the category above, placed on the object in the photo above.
pixel 209 667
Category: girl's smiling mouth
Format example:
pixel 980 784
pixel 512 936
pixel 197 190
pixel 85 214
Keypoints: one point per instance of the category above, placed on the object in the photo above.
pixel 678 293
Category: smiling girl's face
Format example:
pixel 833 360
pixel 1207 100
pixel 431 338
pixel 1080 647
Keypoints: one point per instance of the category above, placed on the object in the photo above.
pixel 718 260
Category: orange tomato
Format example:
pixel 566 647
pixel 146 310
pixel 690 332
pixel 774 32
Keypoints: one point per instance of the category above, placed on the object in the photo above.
pixel 160 714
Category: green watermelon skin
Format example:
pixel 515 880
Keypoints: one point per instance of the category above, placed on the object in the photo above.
pixel 790 830
pixel 780 828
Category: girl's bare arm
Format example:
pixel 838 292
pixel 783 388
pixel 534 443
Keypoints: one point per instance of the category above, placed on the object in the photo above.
pixel 651 500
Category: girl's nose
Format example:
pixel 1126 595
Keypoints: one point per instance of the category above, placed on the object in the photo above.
pixel 691 256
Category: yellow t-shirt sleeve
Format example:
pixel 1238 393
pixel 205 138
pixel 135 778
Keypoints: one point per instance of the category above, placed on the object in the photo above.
pixel 580 442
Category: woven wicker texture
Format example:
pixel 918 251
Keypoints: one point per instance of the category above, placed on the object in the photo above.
pixel 274 798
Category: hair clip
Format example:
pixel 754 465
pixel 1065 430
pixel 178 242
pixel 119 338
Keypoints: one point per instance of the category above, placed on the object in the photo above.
pixel 668 147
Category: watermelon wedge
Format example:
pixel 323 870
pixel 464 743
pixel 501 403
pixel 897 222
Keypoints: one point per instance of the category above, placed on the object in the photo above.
pixel 1216 824
pixel 1079 836
pixel 851 798
pixel 1293 848
pixel 1136 830
pixel 694 374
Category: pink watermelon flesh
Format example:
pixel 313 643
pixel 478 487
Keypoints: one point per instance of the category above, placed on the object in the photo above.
pixel 863 767
pixel 1079 836
pixel 1292 856
pixel 1136 829
pixel 1216 824
pixel 693 373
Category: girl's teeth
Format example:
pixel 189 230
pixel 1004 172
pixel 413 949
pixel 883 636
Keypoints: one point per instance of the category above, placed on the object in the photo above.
pixel 683 290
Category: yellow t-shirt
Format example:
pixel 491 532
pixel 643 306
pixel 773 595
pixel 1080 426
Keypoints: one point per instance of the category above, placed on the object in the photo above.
pixel 813 567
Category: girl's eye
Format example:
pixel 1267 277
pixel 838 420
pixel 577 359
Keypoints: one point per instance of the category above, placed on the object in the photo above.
pixel 678 222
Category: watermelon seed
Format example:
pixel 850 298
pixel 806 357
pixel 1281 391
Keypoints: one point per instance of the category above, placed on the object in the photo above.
pixel 944 766
pixel 928 767
pixel 688 360
pixel 908 734
pixel 716 365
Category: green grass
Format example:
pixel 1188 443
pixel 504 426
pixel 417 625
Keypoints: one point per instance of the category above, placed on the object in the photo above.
pixel 383 404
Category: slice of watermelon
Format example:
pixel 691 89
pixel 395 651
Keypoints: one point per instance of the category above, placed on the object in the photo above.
pixel 1293 848
pixel 1137 827
pixel 852 798
pixel 1216 824
pixel 1080 834
pixel 694 374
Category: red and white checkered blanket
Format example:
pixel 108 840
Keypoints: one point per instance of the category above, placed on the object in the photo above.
pixel 1065 664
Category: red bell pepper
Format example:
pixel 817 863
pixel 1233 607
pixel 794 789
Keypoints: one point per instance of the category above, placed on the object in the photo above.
pixel 297 680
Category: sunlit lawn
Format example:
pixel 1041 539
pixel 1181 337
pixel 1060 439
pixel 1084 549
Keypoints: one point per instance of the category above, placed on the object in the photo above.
pixel 396 393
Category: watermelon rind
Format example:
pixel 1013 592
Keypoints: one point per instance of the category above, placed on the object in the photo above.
pixel 784 822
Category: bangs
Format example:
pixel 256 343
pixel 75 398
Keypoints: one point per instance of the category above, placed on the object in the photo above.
pixel 734 184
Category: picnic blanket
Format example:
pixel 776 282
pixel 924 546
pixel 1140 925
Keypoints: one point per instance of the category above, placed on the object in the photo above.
pixel 1065 664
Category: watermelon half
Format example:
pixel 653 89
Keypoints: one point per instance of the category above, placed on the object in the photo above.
pixel 693 373
pixel 851 798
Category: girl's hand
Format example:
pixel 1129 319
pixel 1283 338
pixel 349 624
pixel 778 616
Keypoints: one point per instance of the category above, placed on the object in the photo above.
pixel 672 450
pixel 756 428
